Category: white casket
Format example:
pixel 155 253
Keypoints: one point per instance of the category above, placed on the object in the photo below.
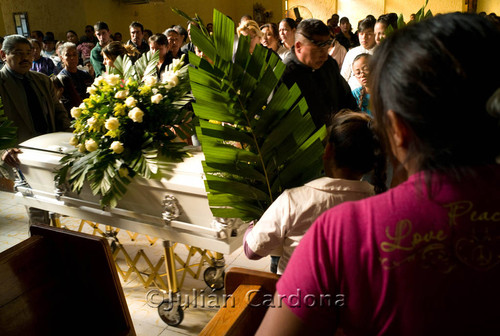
pixel 173 208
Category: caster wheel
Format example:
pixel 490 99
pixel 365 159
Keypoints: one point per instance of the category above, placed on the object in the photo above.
pixel 211 279
pixel 171 313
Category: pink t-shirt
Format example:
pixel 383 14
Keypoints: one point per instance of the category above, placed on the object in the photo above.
pixel 402 264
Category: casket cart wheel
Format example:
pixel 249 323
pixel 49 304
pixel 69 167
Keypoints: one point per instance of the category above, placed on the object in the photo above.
pixel 171 312
pixel 214 277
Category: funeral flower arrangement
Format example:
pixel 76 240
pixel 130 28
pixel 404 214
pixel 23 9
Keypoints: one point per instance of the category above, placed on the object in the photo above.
pixel 130 125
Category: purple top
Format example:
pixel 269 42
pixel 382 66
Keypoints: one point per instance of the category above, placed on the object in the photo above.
pixel 43 65
pixel 402 264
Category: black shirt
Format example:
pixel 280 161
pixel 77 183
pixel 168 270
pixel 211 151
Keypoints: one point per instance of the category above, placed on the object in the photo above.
pixel 325 90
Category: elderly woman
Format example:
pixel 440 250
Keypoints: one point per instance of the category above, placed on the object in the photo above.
pixel 74 80
pixel 174 42
pixel 421 258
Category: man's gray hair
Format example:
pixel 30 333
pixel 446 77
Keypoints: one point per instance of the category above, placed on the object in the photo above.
pixel 311 27
pixel 65 46
pixel 9 42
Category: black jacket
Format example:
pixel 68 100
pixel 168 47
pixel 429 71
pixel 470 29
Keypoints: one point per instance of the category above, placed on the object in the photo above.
pixel 325 90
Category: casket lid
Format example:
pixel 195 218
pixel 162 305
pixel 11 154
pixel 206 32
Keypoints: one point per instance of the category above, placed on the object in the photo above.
pixel 53 142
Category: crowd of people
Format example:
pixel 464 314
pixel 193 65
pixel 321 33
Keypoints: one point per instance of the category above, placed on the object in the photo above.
pixel 415 112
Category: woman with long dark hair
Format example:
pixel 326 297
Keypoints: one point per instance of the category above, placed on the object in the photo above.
pixel 422 258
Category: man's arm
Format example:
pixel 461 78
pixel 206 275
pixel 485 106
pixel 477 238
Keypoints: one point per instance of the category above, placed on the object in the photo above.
pixel 96 61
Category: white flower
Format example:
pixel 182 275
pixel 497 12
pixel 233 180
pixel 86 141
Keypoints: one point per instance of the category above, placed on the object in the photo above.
pixel 90 145
pixel 154 90
pixel 117 147
pixel 177 63
pixel 136 114
pixel 112 124
pixel 98 81
pixel 112 79
pixel 91 121
pixel 170 78
pixel 156 99
pixel 130 101
pixel 149 80
pixel 122 94
pixel 82 106
pixel 92 89
pixel 76 112
pixel 73 141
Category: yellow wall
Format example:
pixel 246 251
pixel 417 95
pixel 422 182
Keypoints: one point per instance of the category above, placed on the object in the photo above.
pixel 61 15
pixel 320 9
pixel 356 10
pixel 55 16
pixel 436 6
pixel 488 6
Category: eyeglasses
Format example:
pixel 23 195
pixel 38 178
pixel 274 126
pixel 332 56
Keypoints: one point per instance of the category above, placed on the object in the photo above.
pixel 319 44
pixel 364 71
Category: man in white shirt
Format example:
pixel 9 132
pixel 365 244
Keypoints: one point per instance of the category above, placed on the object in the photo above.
pixel 367 45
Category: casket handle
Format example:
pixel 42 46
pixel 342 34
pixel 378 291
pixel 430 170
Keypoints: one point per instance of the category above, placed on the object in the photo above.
pixel 171 209
pixel 20 183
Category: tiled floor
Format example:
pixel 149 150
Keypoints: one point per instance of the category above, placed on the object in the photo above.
pixel 14 229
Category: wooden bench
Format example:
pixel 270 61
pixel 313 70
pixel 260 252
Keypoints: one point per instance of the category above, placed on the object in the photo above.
pixel 61 282
pixel 245 309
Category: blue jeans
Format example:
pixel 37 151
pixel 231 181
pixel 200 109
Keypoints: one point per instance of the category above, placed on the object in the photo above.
pixel 274 264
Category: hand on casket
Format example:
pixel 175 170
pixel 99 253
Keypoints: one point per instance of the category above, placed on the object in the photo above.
pixel 10 157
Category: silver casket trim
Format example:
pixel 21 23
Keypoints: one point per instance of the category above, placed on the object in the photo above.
pixel 145 208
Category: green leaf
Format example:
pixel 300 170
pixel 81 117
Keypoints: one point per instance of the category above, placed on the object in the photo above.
pixel 8 133
pixel 254 132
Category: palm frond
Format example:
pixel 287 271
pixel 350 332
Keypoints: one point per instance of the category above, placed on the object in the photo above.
pixel 8 132
pixel 256 134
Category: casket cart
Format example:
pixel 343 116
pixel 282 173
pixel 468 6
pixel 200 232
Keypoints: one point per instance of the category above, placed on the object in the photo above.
pixel 174 209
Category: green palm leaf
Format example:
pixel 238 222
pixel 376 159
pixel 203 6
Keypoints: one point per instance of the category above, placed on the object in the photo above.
pixel 8 133
pixel 256 134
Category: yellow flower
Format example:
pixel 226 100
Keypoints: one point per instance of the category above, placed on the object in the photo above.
pixel 145 91
pixel 149 80
pixel 156 99
pixel 112 124
pixel 91 145
pixel 81 148
pixel 117 147
pixel 119 109
pixel 92 89
pixel 98 81
pixel 73 141
pixel 136 114
pixel 130 101
pixel 76 112
pixel 122 94
pixel 130 81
